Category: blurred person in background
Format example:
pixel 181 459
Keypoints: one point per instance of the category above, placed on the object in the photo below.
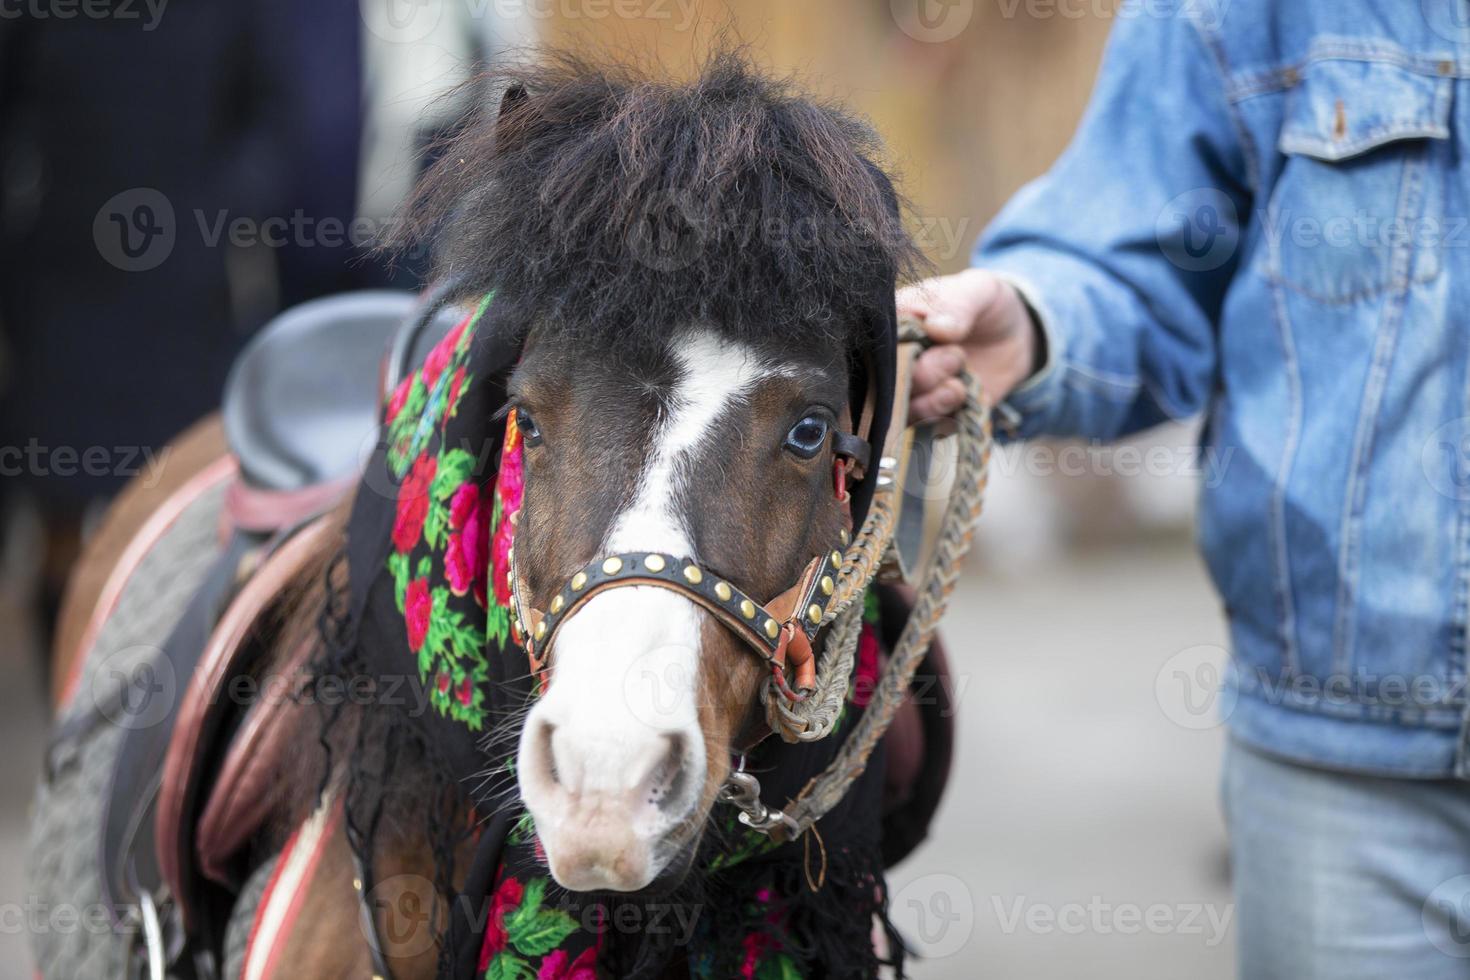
pixel 172 175
pixel 1255 221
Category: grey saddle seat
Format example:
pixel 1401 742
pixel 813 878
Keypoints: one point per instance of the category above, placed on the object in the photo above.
pixel 302 400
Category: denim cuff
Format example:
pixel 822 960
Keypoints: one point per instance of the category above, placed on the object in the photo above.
pixel 1023 412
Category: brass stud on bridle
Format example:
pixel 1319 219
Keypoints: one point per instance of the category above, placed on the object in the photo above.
pixel 723 591
pixel 654 563
pixel 579 581
pixel 612 566
pixel 693 575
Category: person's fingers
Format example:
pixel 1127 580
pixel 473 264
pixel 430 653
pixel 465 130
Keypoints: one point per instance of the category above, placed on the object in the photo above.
pixel 948 306
pixel 935 365
pixel 946 325
pixel 942 401
pixel 914 301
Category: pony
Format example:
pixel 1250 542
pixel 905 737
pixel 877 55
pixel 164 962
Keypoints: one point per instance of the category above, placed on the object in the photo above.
pixel 672 350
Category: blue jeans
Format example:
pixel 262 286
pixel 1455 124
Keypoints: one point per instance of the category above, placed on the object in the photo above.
pixel 1347 876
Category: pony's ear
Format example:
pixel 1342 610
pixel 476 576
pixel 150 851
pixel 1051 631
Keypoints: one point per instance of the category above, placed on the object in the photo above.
pixel 513 99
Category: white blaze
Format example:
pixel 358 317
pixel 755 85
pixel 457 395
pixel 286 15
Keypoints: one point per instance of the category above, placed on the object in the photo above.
pixel 645 640
pixel 626 665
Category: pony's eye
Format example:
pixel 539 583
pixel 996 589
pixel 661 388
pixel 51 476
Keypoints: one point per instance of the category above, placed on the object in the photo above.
pixel 530 434
pixel 807 437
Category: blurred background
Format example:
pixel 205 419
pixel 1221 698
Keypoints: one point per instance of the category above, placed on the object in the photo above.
pixel 173 175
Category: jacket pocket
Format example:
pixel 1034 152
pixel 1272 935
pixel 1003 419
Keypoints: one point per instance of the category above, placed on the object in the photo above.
pixel 1357 208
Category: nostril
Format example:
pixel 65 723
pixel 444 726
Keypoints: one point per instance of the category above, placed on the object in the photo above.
pixel 547 751
pixel 667 782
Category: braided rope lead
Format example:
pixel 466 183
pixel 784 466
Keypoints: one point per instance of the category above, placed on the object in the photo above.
pixel 974 441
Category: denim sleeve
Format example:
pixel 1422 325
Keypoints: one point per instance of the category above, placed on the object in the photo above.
pixel 1126 247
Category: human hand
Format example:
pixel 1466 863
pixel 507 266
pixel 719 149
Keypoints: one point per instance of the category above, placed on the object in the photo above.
pixel 977 320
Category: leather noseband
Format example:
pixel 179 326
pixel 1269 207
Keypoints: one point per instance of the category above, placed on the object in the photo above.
pixel 780 631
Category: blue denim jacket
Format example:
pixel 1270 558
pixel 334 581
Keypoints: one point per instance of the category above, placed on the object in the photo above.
pixel 1263 218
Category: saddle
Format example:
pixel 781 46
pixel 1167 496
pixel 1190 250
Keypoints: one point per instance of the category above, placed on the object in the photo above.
pixel 190 792
pixel 193 791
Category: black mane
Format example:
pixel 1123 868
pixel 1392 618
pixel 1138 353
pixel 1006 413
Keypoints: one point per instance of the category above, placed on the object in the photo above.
pixel 611 206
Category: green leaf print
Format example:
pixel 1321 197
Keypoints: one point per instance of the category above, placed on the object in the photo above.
pixel 508 966
pixel 536 931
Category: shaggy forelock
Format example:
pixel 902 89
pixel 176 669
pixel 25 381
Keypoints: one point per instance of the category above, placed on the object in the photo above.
pixel 612 206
